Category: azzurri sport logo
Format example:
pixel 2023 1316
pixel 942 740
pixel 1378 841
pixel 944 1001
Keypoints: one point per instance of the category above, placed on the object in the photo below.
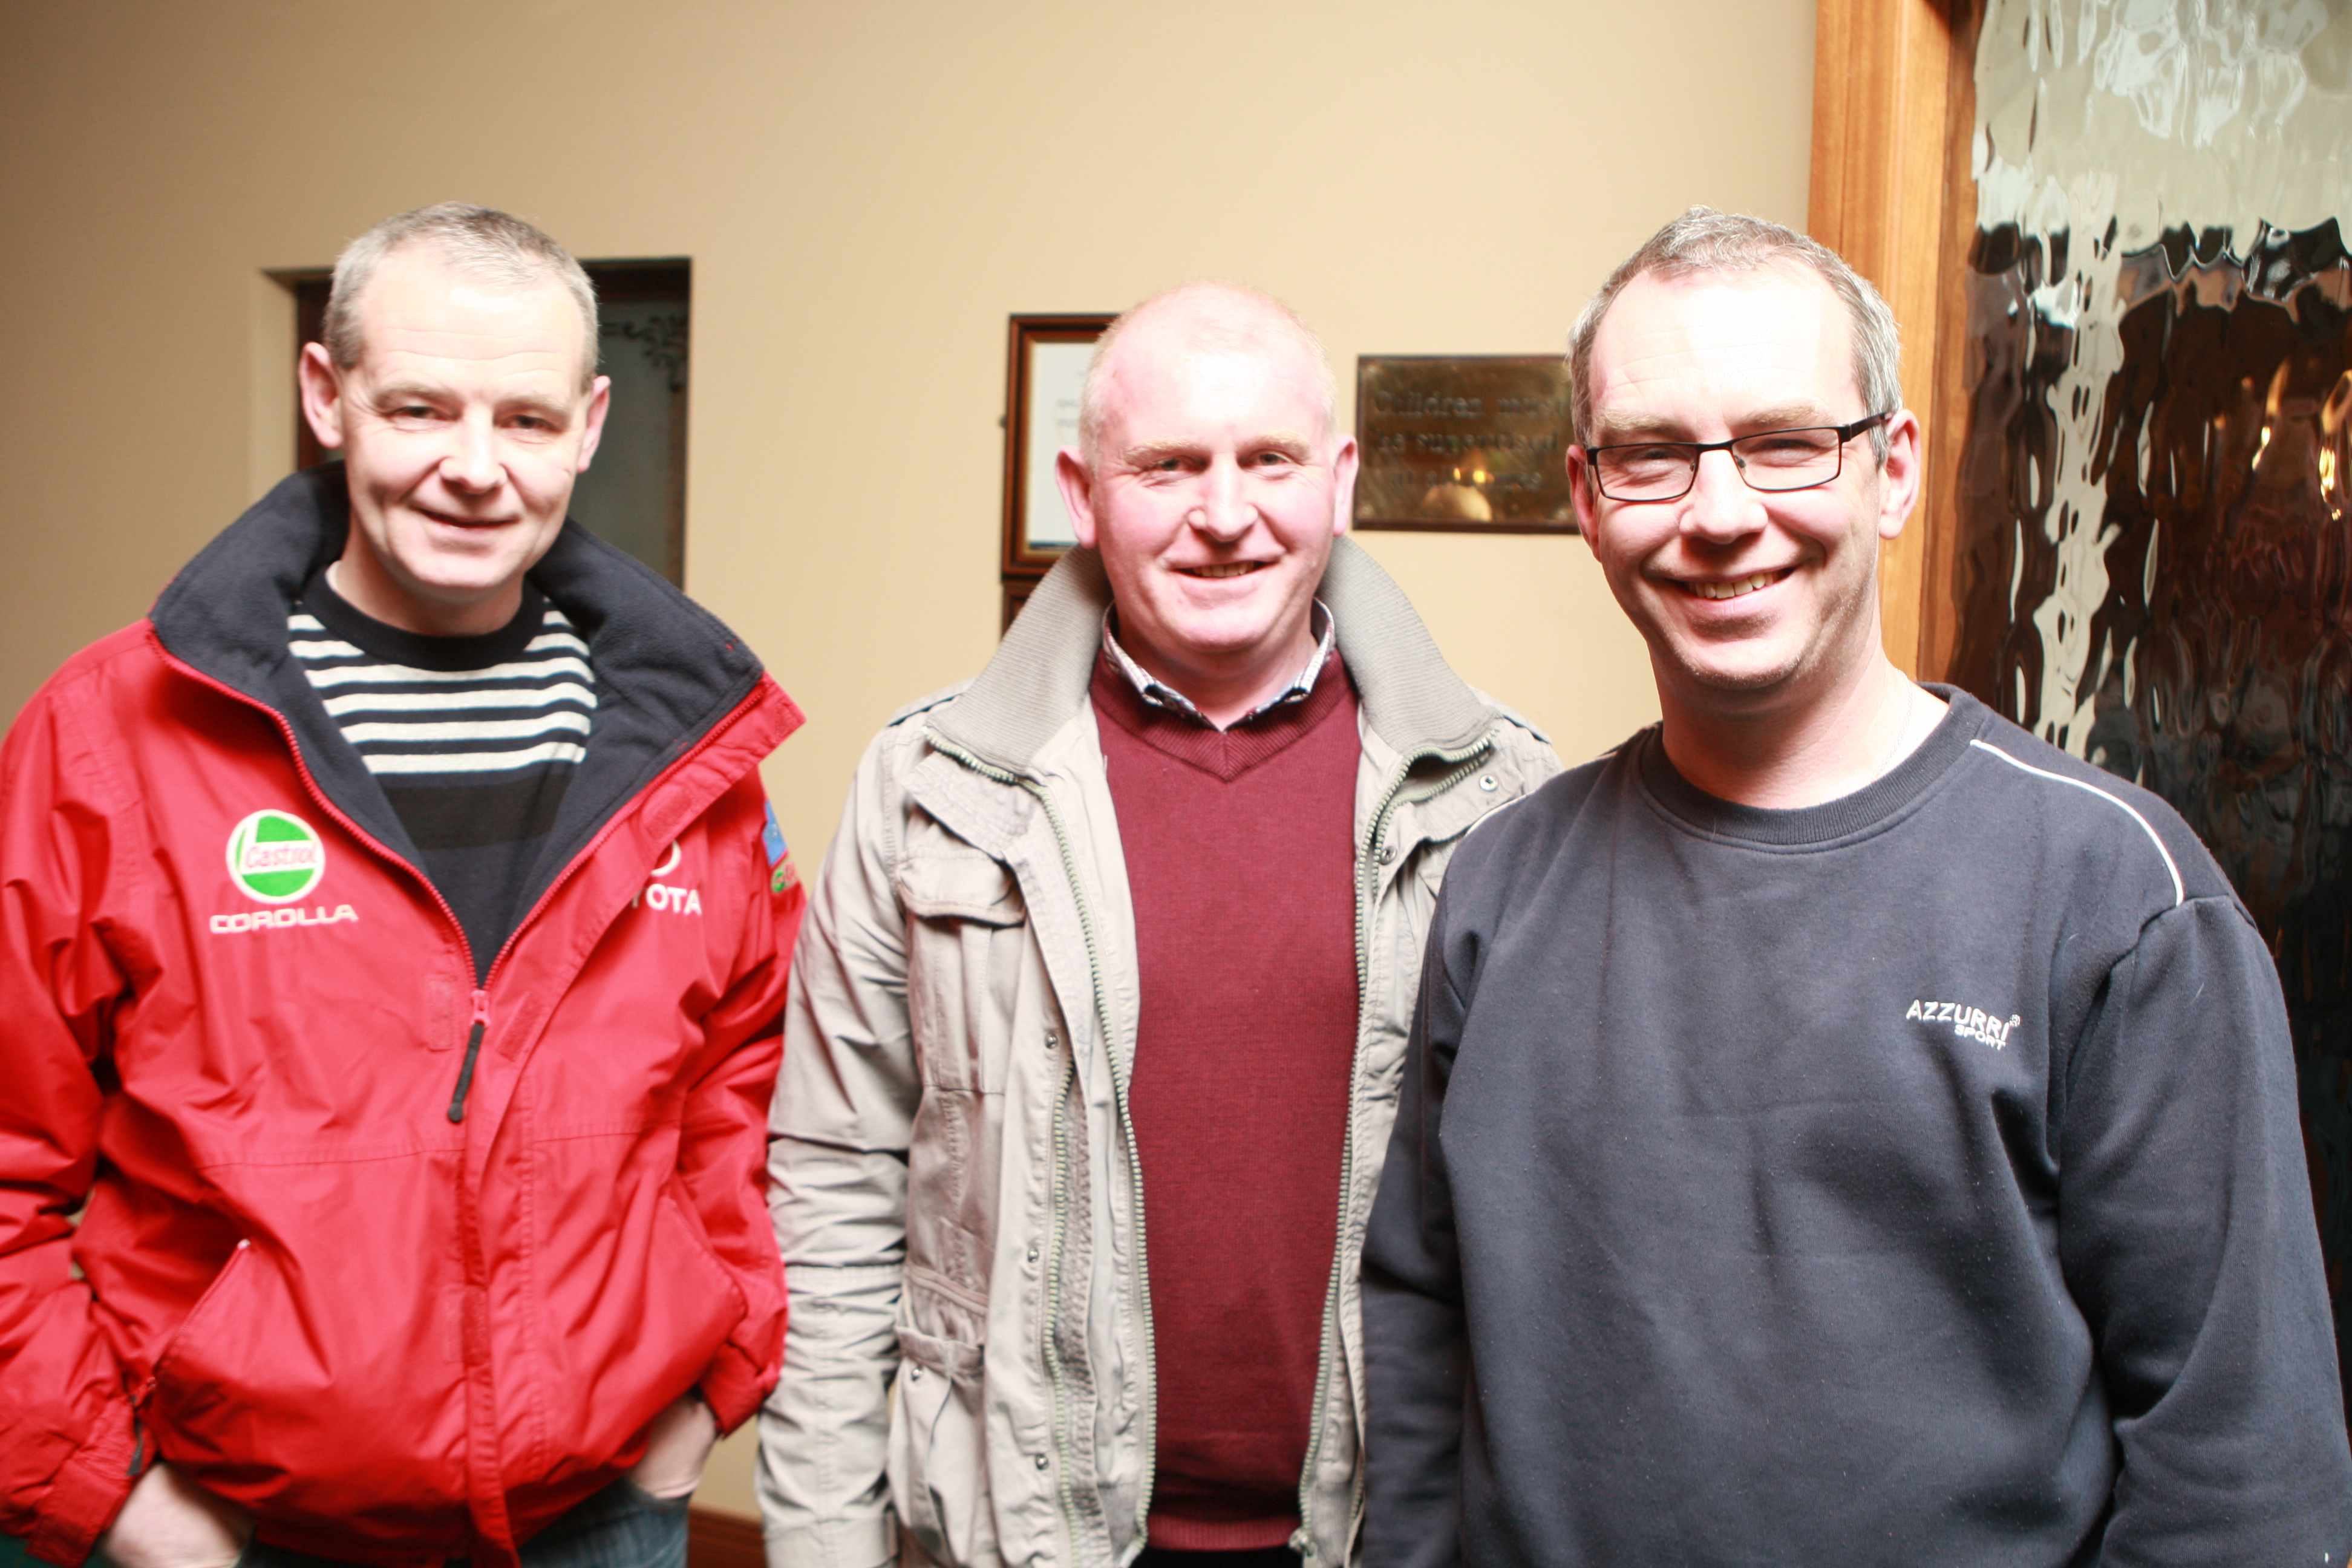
pixel 276 860
pixel 1968 1023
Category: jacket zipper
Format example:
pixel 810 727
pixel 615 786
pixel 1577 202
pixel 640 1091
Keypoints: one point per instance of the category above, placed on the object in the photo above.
pixel 1367 878
pixel 1063 1484
pixel 1139 1286
pixel 473 1049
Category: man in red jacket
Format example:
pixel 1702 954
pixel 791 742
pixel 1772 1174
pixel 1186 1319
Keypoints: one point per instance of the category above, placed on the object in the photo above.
pixel 391 940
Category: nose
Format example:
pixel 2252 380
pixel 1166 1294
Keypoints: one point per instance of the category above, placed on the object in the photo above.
pixel 1720 507
pixel 1223 512
pixel 472 461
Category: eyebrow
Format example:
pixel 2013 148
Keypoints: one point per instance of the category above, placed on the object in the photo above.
pixel 1783 417
pixel 551 408
pixel 1145 454
pixel 395 392
pixel 1658 427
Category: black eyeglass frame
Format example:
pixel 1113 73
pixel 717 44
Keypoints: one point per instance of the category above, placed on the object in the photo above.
pixel 1699 449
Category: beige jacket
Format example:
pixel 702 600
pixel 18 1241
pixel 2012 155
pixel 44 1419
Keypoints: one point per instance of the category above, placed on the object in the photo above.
pixel 955 1182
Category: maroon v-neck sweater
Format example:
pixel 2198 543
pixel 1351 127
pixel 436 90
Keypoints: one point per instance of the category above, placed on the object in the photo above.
pixel 1240 855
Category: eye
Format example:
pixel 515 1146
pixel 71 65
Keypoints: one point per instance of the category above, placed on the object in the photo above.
pixel 1273 459
pixel 1650 459
pixel 1790 448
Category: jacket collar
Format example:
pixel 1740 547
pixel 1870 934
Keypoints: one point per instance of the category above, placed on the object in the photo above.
pixel 1411 698
pixel 668 672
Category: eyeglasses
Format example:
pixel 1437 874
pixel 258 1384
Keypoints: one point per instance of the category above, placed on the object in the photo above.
pixel 1769 461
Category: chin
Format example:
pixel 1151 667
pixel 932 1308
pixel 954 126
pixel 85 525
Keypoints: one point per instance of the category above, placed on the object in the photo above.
pixel 455 592
pixel 456 587
pixel 1734 677
pixel 1223 641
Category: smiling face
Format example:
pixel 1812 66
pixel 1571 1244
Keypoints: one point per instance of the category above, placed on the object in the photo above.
pixel 463 425
pixel 1749 600
pixel 1217 487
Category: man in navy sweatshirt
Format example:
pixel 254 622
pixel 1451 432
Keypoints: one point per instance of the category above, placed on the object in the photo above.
pixel 1836 1127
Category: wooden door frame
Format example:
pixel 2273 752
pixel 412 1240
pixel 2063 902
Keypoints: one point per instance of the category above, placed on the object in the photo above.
pixel 1894 193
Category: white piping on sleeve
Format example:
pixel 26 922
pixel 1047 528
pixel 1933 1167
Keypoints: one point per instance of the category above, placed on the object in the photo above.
pixel 1494 811
pixel 2180 893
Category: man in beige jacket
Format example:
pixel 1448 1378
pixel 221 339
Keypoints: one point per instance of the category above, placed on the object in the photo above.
pixel 1132 923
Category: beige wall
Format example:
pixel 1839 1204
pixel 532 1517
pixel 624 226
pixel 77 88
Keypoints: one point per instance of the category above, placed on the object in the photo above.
pixel 865 191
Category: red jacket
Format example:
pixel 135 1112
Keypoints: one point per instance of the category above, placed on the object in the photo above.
pixel 393 1319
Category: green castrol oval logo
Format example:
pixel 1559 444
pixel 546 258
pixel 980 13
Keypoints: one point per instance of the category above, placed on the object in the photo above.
pixel 275 857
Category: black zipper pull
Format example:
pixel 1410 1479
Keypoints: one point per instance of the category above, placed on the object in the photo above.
pixel 473 1049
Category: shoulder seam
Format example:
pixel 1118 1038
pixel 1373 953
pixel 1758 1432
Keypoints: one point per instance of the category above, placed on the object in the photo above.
pixel 2179 891
pixel 923 705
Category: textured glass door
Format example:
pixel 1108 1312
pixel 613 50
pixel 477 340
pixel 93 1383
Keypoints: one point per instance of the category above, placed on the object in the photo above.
pixel 2153 568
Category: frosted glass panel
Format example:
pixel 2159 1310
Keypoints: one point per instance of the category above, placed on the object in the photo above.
pixel 2155 569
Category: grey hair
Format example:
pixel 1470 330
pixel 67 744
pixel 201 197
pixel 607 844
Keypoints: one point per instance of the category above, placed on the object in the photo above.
pixel 1228 331
pixel 482 242
pixel 1705 241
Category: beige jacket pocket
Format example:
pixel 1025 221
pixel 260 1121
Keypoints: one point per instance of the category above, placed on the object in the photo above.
pixel 939 1448
pixel 966 932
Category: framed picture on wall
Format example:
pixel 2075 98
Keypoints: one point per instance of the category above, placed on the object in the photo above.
pixel 1045 367
pixel 1017 598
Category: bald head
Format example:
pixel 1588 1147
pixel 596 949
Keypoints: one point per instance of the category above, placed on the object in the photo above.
pixel 1201 317
pixel 1212 484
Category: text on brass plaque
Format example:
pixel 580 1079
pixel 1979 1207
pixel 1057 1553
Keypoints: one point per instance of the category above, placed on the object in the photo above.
pixel 1474 442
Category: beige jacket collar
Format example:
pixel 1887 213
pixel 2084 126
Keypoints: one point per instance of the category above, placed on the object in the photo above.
pixel 1411 699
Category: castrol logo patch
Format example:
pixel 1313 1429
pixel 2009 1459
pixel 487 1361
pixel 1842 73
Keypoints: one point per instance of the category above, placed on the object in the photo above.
pixel 276 858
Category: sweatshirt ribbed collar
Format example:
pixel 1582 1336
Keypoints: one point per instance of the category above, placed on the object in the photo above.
pixel 1877 802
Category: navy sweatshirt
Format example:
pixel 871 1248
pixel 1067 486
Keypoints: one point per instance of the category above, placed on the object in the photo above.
pixel 1912 1179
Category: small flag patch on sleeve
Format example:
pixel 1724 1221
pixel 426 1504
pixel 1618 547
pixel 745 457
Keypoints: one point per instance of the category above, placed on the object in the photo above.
pixel 772 837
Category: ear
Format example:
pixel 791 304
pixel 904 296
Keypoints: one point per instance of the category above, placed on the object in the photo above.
pixel 1585 498
pixel 322 395
pixel 1344 466
pixel 1899 477
pixel 1078 486
pixel 600 402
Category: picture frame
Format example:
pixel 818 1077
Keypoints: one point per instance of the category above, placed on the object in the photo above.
pixel 1045 367
pixel 1015 593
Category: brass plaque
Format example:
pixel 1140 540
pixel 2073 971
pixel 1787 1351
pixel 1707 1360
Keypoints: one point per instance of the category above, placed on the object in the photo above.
pixel 1463 443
